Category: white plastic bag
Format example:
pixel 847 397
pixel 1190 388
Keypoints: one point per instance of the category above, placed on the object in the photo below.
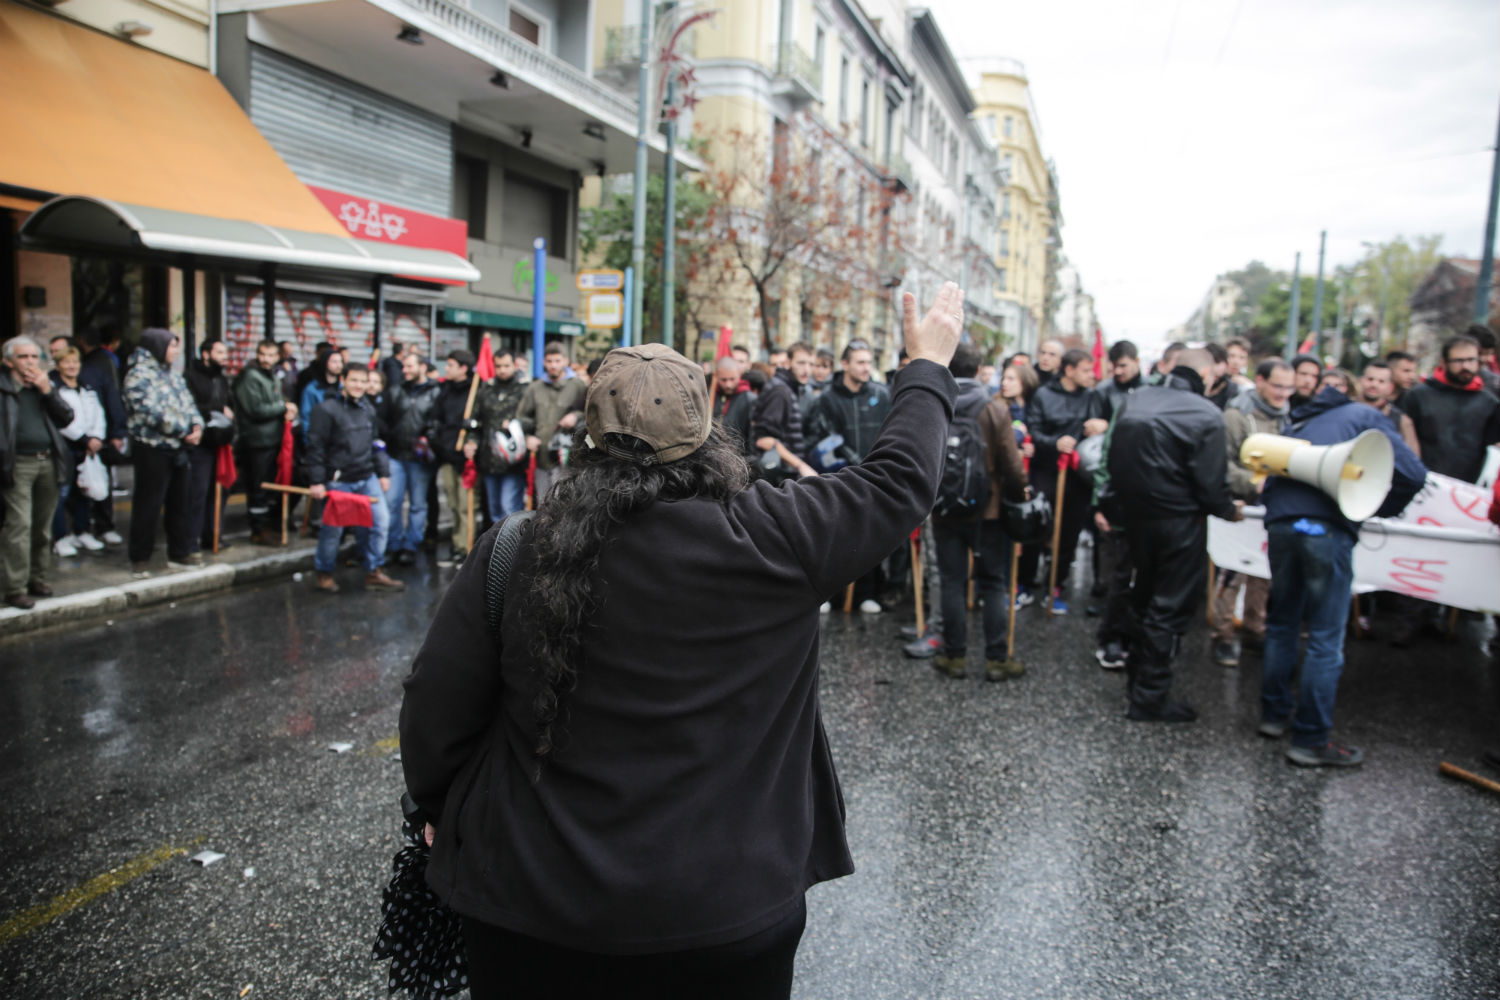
pixel 93 478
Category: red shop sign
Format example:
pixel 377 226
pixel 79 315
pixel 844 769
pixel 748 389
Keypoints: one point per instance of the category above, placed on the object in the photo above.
pixel 368 219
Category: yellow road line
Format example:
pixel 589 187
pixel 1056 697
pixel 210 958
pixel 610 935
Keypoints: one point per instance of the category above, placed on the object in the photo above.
pixel 385 746
pixel 26 921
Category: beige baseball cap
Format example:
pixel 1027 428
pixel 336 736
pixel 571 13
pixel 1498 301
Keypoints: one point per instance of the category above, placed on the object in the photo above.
pixel 652 393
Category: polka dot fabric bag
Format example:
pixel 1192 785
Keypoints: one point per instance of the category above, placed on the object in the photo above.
pixel 422 938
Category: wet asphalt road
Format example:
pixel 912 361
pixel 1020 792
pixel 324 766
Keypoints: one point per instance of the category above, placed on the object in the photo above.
pixel 1013 840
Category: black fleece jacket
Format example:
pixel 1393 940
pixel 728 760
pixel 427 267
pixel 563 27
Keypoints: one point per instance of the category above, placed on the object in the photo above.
pixel 693 800
pixel 1055 413
pixel 1166 454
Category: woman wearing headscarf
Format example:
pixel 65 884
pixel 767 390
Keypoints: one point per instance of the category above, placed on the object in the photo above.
pixel 164 422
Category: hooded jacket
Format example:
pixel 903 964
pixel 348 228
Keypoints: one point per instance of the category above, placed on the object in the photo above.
pixel 1333 418
pixel 210 388
pixel 1112 394
pixel 778 413
pixel 59 415
pixel 856 416
pixel 1166 455
pixel 160 406
pixel 260 408
pixel 1248 414
pixel 1454 424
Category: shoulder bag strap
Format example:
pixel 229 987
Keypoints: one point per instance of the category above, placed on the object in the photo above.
pixel 507 541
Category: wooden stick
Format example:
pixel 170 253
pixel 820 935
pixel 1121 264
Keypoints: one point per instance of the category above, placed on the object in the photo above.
pixel 306 514
pixel 1057 516
pixel 285 504
pixel 469 406
pixel 969 599
pixel 1015 567
pixel 1452 621
pixel 849 599
pixel 218 503
pixel 278 487
pixel 916 579
pixel 1470 777
pixel 470 535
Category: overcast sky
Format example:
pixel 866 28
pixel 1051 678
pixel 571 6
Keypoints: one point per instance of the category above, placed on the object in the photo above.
pixel 1192 136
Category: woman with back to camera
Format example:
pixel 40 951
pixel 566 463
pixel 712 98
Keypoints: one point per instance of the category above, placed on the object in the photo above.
pixel 632 790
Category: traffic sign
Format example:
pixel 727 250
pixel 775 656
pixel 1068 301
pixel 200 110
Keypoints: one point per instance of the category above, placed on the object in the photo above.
pixel 601 280
pixel 606 310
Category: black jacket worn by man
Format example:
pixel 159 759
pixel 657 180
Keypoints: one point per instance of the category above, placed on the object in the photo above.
pixel 733 414
pixel 1166 453
pixel 605 851
pixel 856 416
pixel 417 420
pixel 1454 424
pixel 58 413
pixel 211 391
pixel 495 405
pixel 448 415
pixel 341 443
pixel 1055 413
pixel 1112 393
pixel 778 413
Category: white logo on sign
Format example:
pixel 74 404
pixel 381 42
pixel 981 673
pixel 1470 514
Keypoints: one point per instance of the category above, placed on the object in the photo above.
pixel 372 220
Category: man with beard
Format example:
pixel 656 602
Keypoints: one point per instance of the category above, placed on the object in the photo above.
pixel 1376 386
pixel 495 406
pixel 1307 371
pixel 211 391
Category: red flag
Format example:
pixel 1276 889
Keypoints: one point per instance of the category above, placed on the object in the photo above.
pixel 1068 461
pixel 725 341
pixel 347 510
pixel 284 459
pixel 1309 345
pixel 485 367
pixel 1098 353
pixel 225 473
pixel 471 474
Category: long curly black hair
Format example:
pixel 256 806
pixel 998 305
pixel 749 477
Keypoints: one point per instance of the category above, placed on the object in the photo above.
pixel 581 513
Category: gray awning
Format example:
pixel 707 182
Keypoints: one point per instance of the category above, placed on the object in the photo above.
pixel 71 223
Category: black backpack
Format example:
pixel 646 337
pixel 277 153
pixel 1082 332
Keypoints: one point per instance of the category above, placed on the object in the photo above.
pixel 966 478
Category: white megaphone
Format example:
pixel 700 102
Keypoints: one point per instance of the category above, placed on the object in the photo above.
pixel 1357 473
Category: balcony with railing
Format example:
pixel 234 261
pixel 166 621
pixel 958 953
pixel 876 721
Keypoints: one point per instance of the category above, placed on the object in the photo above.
pixel 795 74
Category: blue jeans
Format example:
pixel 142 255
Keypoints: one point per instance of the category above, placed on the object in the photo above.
pixel 73 505
pixel 1310 580
pixel 408 480
pixel 371 540
pixel 505 494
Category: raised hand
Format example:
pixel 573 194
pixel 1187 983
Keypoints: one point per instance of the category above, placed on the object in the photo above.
pixel 935 337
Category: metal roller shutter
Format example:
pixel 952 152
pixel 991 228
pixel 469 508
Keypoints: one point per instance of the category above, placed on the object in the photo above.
pixel 339 135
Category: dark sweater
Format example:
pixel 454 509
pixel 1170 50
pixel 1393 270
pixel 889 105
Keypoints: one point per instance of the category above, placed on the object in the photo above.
pixel 694 798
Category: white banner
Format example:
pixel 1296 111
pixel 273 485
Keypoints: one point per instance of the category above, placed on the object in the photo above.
pixel 1442 548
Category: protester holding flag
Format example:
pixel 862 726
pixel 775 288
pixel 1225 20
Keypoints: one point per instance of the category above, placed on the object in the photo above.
pixel 211 391
pixel 263 415
pixel 468 444
pixel 452 415
pixel 344 456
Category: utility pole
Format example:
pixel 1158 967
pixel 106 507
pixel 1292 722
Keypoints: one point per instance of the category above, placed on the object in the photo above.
pixel 642 118
pixel 1292 326
pixel 669 232
pixel 1487 257
pixel 1317 316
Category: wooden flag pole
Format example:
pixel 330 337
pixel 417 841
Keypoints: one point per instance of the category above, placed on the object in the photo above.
pixel 916 579
pixel 218 505
pixel 470 535
pixel 286 501
pixel 1457 772
pixel 1057 519
pixel 849 599
pixel 969 600
pixel 1010 635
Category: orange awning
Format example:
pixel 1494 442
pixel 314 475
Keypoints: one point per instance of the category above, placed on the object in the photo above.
pixel 19 204
pixel 86 114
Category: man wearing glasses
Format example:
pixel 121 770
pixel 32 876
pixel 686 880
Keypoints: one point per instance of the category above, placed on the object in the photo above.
pixel 34 460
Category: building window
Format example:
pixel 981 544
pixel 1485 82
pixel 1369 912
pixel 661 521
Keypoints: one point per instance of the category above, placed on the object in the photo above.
pixel 1000 280
pixel 864 113
pixel 471 189
pixel 954 166
pixel 1005 242
pixel 528 25
pixel 1005 205
pixel 1010 126
pixel 843 89
pixel 820 40
pixel 1008 162
pixel 534 208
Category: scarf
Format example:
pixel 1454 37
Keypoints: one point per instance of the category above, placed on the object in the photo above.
pixel 1246 400
pixel 1440 376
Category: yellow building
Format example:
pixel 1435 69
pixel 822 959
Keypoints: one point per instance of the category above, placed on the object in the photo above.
pixel 1026 251
pixel 827 80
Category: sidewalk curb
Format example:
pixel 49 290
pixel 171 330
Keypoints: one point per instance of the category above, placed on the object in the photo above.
pixel 104 601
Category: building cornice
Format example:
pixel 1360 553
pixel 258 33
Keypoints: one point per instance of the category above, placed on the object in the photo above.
pixel 926 30
pixel 877 41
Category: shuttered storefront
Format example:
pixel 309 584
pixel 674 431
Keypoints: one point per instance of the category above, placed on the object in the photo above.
pixel 339 135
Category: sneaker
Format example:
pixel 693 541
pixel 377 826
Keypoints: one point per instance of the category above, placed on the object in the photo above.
pixel 824 608
pixel 1059 603
pixel 138 571
pixel 193 561
pixel 1172 711
pixel 951 666
pixel 1023 598
pixel 1227 653
pixel 1111 656
pixel 64 547
pixel 378 580
pixel 1329 754
pixel 934 626
pixel 88 542
pixel 1273 729
pixel 870 607
pixel 1003 670
pixel 925 648
pixel 112 538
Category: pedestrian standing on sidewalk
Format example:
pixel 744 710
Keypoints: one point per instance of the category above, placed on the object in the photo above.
pixel 262 410
pixel 552 405
pixel 34 460
pixel 634 805
pixel 1167 472
pixel 85 435
pixel 450 420
pixel 978 534
pixel 101 370
pixel 1311 548
pixel 502 471
pixel 164 424
pixel 215 400
pixel 343 455
pixel 412 462
pixel 1113 568
pixel 1261 411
